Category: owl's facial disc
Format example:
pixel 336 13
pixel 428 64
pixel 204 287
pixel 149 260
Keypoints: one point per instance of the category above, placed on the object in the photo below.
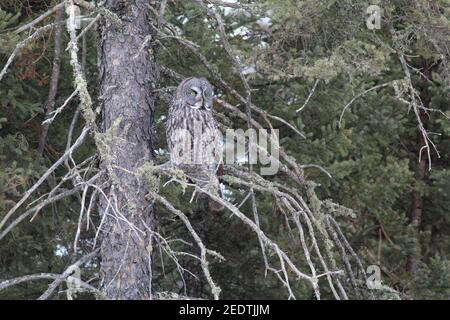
pixel 197 93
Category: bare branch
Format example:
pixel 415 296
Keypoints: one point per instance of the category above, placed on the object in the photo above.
pixel 309 96
pixel 50 103
pixel 54 113
pixel 80 82
pixel 38 276
pixel 86 29
pixel 24 43
pixel 215 290
pixel 40 18
pixel 44 177
pixel 360 95
pixel 69 270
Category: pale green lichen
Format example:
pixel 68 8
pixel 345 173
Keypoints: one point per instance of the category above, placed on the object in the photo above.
pixel 337 209
pixel 111 16
pixel 147 172
pixel 105 145
pixel 105 140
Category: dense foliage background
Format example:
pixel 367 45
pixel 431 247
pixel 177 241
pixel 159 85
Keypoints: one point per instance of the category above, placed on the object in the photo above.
pixel 290 47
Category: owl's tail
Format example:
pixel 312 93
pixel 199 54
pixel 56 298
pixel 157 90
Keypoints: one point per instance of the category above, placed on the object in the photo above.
pixel 209 182
pixel 213 187
pixel 215 206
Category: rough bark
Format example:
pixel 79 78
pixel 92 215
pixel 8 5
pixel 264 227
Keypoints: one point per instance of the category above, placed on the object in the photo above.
pixel 50 103
pixel 128 75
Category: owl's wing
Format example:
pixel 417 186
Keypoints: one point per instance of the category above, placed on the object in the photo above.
pixel 178 138
pixel 212 151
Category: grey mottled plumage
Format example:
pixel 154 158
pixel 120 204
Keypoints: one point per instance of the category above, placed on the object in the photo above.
pixel 193 138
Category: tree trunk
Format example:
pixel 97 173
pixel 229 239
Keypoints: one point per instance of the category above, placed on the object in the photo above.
pixel 128 75
pixel 415 214
pixel 420 170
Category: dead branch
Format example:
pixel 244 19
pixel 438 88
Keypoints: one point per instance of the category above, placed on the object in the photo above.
pixel 54 113
pixel 309 96
pixel 80 82
pixel 215 290
pixel 38 276
pixel 50 103
pixel 69 270
pixel 44 177
pixel 24 43
pixel 360 95
pixel 40 18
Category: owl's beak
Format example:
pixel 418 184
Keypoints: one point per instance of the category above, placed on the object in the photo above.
pixel 207 106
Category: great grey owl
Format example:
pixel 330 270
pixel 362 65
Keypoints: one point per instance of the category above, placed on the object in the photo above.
pixel 193 137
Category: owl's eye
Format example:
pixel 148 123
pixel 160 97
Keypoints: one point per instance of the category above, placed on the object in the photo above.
pixel 192 93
